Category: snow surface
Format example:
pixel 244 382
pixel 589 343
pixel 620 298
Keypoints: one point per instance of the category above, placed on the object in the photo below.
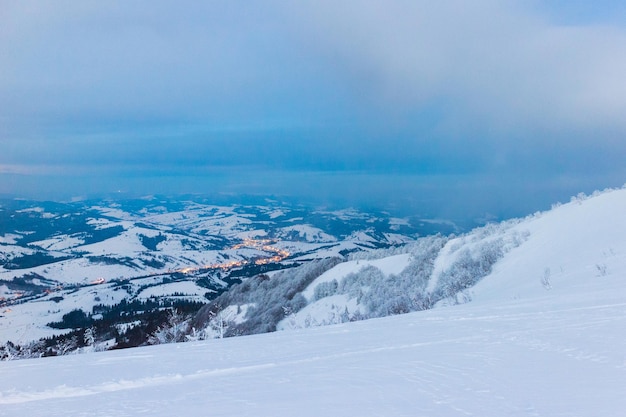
pixel 9 238
pixel 59 243
pixel 562 358
pixel 543 335
pixel 13 251
pixel 579 246
pixel 307 233
pixel 276 213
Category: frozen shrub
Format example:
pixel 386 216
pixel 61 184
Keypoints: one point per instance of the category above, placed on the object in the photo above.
pixel 471 266
pixel 382 295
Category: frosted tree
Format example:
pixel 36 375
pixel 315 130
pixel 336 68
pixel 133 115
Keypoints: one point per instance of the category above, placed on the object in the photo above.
pixel 89 338
pixel 173 331
pixel 220 322
pixel 67 346
pixel 9 351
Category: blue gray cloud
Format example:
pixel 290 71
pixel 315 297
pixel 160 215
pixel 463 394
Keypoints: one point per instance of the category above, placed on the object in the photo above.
pixel 485 91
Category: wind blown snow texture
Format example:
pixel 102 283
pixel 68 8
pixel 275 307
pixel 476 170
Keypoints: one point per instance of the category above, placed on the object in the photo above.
pixel 542 336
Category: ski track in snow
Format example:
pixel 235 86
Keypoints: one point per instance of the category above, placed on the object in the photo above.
pixel 465 360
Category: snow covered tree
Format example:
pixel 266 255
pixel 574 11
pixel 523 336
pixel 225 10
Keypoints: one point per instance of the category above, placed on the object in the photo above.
pixel 67 345
pixel 9 351
pixel 89 337
pixel 221 321
pixel 173 331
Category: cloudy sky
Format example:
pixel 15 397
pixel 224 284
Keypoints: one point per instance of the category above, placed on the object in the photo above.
pixel 478 107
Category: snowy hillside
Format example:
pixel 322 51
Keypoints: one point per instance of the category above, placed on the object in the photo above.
pixel 525 318
pixel 577 246
pixel 581 244
pixel 563 357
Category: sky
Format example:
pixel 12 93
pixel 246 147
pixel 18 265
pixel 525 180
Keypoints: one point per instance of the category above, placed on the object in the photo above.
pixel 447 108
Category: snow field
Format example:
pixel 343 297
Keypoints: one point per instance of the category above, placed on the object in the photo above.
pixel 506 360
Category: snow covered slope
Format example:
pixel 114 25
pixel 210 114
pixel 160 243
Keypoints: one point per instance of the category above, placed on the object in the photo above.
pixel 578 245
pixel 542 335
pixel 564 358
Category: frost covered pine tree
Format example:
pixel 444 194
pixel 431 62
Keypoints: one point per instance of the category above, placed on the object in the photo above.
pixel 89 339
